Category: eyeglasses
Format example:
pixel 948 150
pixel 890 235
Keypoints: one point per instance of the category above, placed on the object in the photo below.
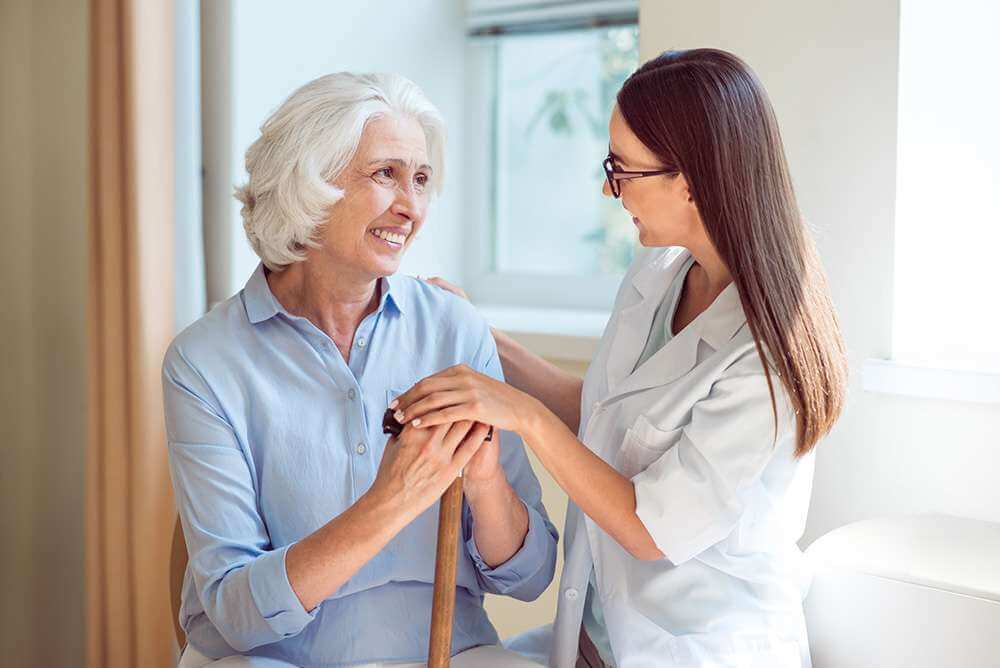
pixel 615 175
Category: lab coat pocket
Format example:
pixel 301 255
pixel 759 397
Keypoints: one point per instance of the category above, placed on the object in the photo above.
pixel 644 443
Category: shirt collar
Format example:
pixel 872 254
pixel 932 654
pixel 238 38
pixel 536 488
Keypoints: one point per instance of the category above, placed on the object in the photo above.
pixel 262 305
pixel 723 318
pixel 394 292
pixel 653 279
pixel 258 299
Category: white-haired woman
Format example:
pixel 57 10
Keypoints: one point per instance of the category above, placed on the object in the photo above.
pixel 311 538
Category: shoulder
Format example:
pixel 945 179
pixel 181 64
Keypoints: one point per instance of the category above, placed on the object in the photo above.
pixel 743 381
pixel 209 339
pixel 448 328
pixel 441 308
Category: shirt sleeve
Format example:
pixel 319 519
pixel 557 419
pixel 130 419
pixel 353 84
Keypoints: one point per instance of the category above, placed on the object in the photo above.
pixel 692 497
pixel 241 580
pixel 529 571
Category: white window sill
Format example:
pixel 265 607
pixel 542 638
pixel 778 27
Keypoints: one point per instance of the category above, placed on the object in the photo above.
pixel 913 380
pixel 559 334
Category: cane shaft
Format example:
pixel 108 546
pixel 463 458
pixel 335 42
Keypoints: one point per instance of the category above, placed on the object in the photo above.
pixel 443 612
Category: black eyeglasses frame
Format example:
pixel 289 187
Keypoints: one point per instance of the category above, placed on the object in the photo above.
pixel 614 175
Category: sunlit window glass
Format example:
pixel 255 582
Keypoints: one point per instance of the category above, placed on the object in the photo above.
pixel 553 97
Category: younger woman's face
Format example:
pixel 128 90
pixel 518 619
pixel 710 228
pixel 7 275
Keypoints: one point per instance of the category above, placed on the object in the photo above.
pixel 661 206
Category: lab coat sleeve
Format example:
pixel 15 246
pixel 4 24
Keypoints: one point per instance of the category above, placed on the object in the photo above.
pixel 529 571
pixel 692 497
pixel 240 579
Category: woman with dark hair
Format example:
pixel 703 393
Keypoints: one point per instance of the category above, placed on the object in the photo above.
pixel 686 451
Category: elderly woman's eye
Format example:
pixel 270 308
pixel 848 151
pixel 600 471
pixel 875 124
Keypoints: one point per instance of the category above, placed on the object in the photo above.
pixel 421 180
pixel 383 175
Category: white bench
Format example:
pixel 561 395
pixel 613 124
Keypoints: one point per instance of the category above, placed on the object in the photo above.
pixel 916 591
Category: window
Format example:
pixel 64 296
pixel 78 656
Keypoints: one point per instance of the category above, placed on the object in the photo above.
pixel 947 312
pixel 541 95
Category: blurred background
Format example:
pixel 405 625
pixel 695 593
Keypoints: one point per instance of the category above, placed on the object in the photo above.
pixel 123 125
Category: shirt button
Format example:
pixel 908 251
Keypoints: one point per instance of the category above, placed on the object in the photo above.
pixel 361 342
pixel 362 448
pixel 571 594
pixel 351 394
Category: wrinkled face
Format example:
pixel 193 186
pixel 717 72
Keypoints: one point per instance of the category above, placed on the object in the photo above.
pixel 661 206
pixel 386 188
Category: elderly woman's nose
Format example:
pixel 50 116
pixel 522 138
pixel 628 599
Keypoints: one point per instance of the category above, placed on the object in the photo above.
pixel 408 202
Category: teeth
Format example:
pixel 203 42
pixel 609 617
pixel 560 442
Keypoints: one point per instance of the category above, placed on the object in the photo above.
pixel 389 236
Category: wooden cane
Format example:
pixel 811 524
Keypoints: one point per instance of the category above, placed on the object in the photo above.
pixel 443 612
pixel 446 566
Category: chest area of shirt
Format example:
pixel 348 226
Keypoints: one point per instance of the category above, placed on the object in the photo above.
pixel 312 424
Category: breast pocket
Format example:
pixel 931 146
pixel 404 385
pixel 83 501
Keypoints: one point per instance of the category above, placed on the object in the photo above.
pixel 644 443
pixel 390 395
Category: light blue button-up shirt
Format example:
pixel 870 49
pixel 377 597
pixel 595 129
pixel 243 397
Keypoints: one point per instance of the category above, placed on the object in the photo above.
pixel 271 434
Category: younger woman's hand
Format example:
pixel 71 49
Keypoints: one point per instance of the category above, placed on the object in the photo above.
pixel 459 393
pixel 445 285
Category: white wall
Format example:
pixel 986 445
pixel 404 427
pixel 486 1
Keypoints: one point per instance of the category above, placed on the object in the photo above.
pixel 831 72
pixel 275 47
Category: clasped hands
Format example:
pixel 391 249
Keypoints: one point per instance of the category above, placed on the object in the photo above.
pixel 446 419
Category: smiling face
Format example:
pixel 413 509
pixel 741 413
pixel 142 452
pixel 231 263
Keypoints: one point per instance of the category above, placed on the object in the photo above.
pixel 386 189
pixel 661 206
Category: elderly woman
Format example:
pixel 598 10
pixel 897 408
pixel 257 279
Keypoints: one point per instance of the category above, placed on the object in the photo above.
pixel 312 538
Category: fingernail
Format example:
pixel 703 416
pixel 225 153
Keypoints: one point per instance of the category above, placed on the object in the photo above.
pixel 394 403
pixel 416 423
pixel 399 416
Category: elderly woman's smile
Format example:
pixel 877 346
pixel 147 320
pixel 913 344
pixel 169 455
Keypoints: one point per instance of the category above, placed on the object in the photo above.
pixel 393 239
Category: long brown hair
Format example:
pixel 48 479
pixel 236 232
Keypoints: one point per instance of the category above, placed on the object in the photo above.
pixel 705 113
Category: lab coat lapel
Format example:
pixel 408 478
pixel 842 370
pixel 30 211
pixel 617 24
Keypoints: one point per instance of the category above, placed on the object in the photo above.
pixel 716 326
pixel 635 318
pixel 669 363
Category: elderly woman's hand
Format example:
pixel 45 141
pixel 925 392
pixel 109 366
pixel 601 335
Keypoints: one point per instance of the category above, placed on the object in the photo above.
pixel 419 464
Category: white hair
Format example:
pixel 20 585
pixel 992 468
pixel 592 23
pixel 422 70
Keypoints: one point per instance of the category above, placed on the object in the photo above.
pixel 305 145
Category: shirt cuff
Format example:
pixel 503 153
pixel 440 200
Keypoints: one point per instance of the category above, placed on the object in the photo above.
pixel 273 594
pixel 522 566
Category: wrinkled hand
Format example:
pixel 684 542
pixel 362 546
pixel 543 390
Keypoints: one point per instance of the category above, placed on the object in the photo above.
pixel 419 465
pixel 459 393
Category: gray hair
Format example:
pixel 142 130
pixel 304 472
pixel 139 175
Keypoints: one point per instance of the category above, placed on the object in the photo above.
pixel 307 143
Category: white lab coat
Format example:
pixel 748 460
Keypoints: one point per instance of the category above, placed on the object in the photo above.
pixel 693 428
